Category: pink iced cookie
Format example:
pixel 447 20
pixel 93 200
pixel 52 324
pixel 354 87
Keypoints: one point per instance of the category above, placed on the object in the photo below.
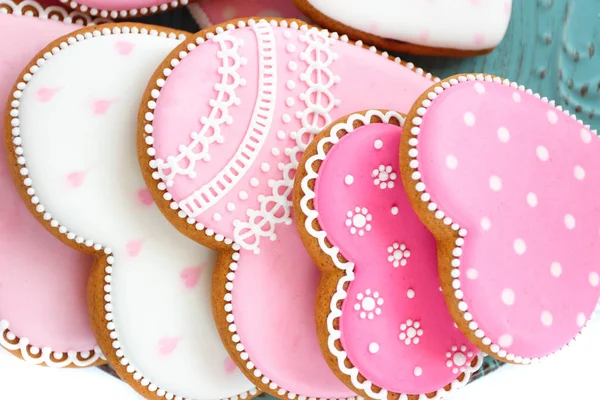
pixel 211 12
pixel 394 335
pixel 507 182
pixel 120 9
pixel 226 121
pixel 43 311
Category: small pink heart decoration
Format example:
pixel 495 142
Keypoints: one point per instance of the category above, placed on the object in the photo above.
pixel 190 276
pixel 167 345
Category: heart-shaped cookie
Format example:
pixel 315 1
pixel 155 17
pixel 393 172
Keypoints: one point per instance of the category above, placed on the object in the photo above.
pixel 441 27
pixel 382 321
pixel 212 12
pixel 75 160
pixel 43 313
pixel 223 125
pixel 507 183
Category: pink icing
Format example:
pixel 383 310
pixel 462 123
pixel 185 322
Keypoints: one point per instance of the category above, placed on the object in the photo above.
pixel 210 12
pixel 119 5
pixel 42 282
pixel 276 325
pixel 395 320
pixel 521 177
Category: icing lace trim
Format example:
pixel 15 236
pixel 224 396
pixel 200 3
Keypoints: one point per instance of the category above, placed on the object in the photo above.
pixel 184 163
pixel 335 311
pixel 46 356
pixel 32 8
pixel 277 207
pixel 257 133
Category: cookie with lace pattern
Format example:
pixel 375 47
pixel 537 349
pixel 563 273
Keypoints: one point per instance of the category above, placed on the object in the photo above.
pixel 223 125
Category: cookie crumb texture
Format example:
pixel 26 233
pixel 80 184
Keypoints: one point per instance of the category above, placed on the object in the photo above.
pixel 517 179
pixel 226 123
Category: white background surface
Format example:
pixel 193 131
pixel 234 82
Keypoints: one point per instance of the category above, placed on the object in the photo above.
pixel 573 374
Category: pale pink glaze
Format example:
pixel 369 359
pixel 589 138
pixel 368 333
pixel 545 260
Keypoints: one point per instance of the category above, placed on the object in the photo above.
pixel 522 178
pixel 273 292
pixel 42 282
pixel 395 261
pixel 210 12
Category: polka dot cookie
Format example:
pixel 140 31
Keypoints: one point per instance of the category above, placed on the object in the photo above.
pixel 382 320
pixel 225 121
pixel 427 27
pixel 507 183
pixel 211 12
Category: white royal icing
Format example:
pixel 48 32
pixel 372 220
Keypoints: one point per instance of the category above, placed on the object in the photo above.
pixel 455 24
pixel 79 164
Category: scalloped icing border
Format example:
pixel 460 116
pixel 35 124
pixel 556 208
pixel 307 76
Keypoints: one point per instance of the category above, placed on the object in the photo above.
pixel 147 127
pixel 21 347
pixel 120 14
pixel 493 349
pixel 71 39
pixel 30 8
pixel 358 380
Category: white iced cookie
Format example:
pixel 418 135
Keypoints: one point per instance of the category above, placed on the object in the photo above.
pixel 430 27
pixel 73 123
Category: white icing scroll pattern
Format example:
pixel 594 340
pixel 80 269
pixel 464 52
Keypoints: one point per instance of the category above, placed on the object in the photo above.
pixel 258 130
pixel 184 163
pixel 276 208
pixel 33 9
pixel 46 355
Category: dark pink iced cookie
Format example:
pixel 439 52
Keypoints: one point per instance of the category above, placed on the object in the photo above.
pixel 508 183
pixel 226 121
pixel 211 12
pixel 394 335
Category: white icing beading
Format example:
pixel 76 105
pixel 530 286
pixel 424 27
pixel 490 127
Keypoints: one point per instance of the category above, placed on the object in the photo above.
pixel 184 163
pixel 46 356
pixel 335 312
pixel 258 130
pixel 277 207
pixel 432 205
pixel 134 12
pixel 33 9
pixel 162 187
pixel 27 182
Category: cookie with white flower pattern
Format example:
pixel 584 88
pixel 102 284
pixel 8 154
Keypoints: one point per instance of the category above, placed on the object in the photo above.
pixel 383 325
pixel 223 125
pixel 427 27
pixel 43 311
pixel 508 183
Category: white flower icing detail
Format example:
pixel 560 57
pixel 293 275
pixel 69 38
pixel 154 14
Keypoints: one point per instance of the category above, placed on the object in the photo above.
pixel 457 359
pixel 368 304
pixel 359 221
pixel 411 332
pixel 399 254
pixel 384 177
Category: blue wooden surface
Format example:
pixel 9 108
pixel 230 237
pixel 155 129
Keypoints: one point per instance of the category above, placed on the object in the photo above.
pixel 552 47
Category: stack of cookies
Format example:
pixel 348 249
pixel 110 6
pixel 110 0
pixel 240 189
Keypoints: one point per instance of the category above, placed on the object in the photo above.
pixel 270 207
